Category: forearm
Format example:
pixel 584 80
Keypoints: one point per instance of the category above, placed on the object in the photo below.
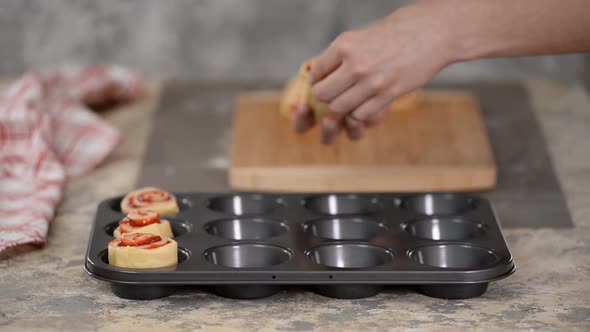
pixel 498 28
pixel 364 70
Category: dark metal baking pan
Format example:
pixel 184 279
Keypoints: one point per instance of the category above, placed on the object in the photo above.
pixel 250 245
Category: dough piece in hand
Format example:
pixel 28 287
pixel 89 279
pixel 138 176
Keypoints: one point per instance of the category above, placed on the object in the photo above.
pixel 293 97
pixel 320 109
pixel 150 198
pixel 144 222
pixel 143 251
pixel 297 94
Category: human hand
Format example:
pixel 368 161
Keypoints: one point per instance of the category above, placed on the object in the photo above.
pixel 331 125
pixel 364 70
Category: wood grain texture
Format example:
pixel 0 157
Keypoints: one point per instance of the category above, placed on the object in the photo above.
pixel 441 145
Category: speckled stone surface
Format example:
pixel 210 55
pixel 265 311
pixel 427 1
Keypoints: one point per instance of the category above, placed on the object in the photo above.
pixel 48 290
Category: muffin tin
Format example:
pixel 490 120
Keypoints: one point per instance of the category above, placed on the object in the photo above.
pixel 252 245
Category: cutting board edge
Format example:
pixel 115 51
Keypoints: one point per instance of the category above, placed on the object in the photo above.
pixel 326 179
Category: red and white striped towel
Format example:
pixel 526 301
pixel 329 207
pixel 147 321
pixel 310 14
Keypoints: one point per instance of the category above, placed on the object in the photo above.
pixel 48 134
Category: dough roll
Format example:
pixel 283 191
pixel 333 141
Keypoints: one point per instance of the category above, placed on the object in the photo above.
pixel 144 222
pixel 150 198
pixel 143 251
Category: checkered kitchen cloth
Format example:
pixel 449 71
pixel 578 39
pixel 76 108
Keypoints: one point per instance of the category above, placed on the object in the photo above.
pixel 48 134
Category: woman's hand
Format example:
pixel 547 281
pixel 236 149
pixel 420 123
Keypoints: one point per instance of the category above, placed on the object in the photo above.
pixel 363 71
pixel 304 119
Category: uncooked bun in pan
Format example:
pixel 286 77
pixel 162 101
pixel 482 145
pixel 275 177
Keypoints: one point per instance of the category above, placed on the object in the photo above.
pixel 144 222
pixel 150 198
pixel 143 251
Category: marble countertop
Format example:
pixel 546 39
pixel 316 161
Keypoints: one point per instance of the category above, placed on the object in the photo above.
pixel 48 290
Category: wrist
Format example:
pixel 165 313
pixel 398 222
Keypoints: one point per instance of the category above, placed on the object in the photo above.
pixel 443 26
pixel 473 30
pixel 458 25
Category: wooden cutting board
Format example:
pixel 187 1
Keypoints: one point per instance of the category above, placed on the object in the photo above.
pixel 439 145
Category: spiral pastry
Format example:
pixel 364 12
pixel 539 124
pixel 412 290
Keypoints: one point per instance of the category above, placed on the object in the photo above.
pixel 144 221
pixel 143 251
pixel 150 198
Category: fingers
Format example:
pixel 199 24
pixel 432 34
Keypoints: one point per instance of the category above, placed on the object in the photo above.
pixel 332 57
pixel 324 64
pixel 351 99
pixel 333 85
pixel 330 128
pixel 370 107
pixel 347 89
pixel 354 128
pixel 376 118
pixel 303 119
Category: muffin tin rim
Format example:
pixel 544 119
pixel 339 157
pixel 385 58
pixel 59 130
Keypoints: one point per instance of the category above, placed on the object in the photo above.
pixel 305 225
pixel 484 228
pixel 473 202
pixel 276 221
pixel 497 258
pixel 273 201
pixel 372 198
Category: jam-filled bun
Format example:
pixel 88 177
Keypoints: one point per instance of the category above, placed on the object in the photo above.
pixel 143 251
pixel 150 198
pixel 143 222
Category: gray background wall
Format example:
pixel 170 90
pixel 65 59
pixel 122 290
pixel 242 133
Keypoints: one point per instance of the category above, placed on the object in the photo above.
pixel 212 39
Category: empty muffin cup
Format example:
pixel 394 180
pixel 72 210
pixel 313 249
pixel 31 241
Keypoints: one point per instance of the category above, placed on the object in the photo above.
pixel 344 228
pixel 438 204
pixel 248 255
pixel 242 204
pixel 350 255
pixel 444 229
pixel 454 256
pixel 341 204
pixel 246 228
